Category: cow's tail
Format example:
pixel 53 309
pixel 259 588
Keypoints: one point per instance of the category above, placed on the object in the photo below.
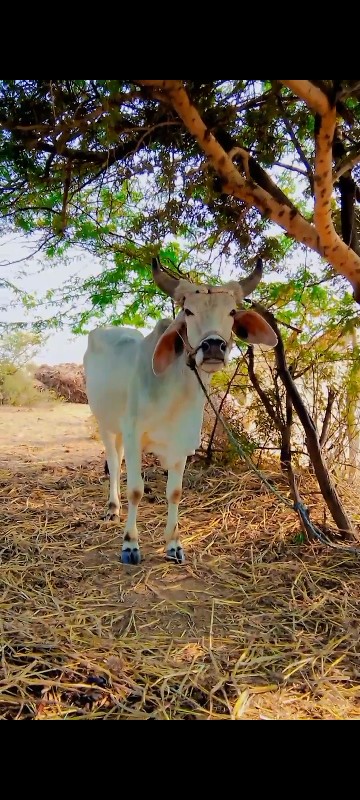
pixel 106 468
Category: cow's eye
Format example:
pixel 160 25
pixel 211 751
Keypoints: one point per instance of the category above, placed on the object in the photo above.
pixel 233 312
pixel 188 312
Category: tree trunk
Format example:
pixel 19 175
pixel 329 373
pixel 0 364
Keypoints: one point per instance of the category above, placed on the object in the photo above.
pixel 312 441
pixel 327 417
pixel 285 452
pixel 352 404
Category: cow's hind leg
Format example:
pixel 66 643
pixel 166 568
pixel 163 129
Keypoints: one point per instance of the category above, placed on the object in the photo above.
pixel 120 451
pixel 174 550
pixel 112 458
pixel 130 553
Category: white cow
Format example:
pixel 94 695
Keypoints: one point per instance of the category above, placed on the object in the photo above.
pixel 146 398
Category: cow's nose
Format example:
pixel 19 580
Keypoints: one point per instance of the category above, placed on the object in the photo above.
pixel 214 348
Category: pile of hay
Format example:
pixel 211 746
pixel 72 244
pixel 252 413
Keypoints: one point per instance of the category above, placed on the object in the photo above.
pixel 66 380
pixel 257 624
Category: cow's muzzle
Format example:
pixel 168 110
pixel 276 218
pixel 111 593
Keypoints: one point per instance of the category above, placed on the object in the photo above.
pixel 211 353
pixel 213 348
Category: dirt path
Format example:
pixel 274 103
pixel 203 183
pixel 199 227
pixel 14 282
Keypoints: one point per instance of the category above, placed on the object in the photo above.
pixel 255 625
pixel 57 434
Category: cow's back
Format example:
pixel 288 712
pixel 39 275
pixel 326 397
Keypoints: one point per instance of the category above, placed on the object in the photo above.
pixel 109 363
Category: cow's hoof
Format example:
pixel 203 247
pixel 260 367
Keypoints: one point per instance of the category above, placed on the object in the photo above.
pixel 111 517
pixel 112 514
pixel 130 555
pixel 175 554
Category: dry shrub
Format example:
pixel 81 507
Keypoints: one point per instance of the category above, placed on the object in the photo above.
pixel 67 380
pixel 18 387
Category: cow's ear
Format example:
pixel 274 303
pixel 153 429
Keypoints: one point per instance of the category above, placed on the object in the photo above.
pixel 169 346
pixel 252 327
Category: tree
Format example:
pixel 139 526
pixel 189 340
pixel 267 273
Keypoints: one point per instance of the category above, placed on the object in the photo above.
pixel 17 350
pixel 117 166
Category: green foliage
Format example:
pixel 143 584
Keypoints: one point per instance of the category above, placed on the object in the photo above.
pixel 17 349
pixel 101 165
pixel 20 347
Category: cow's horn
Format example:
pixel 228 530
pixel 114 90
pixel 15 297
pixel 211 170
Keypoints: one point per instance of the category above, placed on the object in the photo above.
pixel 250 283
pixel 162 279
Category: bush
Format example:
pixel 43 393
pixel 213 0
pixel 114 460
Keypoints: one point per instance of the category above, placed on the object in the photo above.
pixel 17 387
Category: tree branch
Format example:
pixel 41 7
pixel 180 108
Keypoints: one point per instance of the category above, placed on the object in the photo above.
pixel 263 396
pixel 312 442
pixel 346 164
pixel 322 237
pixel 334 249
pixel 314 97
pixel 232 182
pixel 327 417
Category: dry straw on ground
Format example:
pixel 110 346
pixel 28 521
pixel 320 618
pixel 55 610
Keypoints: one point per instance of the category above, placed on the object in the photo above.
pixel 255 626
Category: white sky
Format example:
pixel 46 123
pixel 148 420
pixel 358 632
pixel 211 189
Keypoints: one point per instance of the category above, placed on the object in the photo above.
pixel 62 345
pixel 36 275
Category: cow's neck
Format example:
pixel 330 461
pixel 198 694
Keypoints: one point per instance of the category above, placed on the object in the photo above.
pixel 191 385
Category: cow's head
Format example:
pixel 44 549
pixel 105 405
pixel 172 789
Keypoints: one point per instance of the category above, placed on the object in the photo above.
pixel 208 318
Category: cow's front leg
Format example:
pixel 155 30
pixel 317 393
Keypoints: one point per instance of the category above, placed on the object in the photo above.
pixel 113 450
pixel 130 553
pixel 174 549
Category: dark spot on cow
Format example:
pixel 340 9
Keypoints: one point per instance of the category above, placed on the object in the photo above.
pixel 175 496
pixel 222 161
pixel 281 213
pixel 323 193
pixel 317 179
pixel 178 345
pixel 197 291
pixel 135 496
pixel 112 507
pixel 325 174
pixel 127 537
pixel 207 135
pixel 293 213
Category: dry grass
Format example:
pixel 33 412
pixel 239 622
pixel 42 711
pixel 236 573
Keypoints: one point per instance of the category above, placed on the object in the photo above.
pixel 254 626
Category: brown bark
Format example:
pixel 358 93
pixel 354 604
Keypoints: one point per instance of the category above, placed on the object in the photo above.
pixel 327 417
pixel 232 182
pixel 314 97
pixel 334 249
pixel 285 452
pixel 320 237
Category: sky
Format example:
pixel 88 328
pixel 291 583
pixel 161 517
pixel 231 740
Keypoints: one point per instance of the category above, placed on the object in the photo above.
pixel 35 276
